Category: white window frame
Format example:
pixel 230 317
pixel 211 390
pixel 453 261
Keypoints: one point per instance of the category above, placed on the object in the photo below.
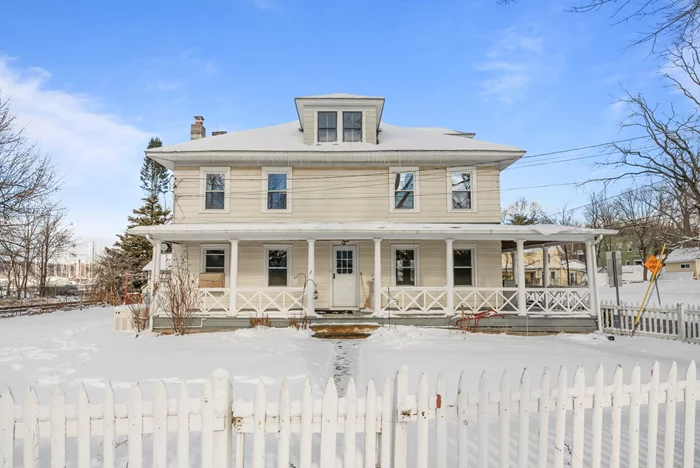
pixel 629 247
pixel 227 258
pixel 472 171
pixel 475 277
pixel 416 189
pixel 203 171
pixel 362 125
pixel 685 266
pixel 416 249
pixel 266 253
pixel 266 171
pixel 338 120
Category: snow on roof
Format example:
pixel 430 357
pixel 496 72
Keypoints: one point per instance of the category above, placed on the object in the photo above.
pixel 288 138
pixel 683 255
pixel 339 96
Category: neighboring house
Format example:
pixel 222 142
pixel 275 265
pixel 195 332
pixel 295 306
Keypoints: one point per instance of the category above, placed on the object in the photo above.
pixel 683 263
pixel 629 253
pixel 378 218
pixel 558 272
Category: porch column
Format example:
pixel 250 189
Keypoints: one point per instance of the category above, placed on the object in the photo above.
pixel 233 280
pixel 449 276
pixel 155 271
pixel 522 306
pixel 310 282
pixel 377 306
pixel 592 286
pixel 545 267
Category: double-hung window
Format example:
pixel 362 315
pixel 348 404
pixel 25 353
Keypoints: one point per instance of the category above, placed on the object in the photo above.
pixel 327 126
pixel 352 126
pixel 460 188
pixel 403 188
pixel 278 266
pixel 214 260
pixel 405 265
pixel 463 266
pixel 276 186
pixel 214 188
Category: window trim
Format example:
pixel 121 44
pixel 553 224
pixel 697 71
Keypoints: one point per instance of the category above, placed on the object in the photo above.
pixel 227 258
pixel 266 250
pixel 416 189
pixel 266 171
pixel 448 173
pixel 416 249
pixel 318 128
pixel 362 125
pixel 203 171
pixel 475 276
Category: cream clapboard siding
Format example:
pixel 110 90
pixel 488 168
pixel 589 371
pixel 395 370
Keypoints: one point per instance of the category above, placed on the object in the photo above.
pixel 309 126
pixel 251 264
pixel 336 194
pixel 370 124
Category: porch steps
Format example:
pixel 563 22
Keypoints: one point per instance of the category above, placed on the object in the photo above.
pixel 343 330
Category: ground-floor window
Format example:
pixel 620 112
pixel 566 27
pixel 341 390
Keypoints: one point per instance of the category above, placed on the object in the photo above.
pixel 463 266
pixel 553 274
pixel 685 266
pixel 404 265
pixel 572 279
pixel 213 259
pixel 278 266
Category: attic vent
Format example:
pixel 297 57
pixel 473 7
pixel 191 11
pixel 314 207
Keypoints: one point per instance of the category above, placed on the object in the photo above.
pixel 218 132
pixel 462 134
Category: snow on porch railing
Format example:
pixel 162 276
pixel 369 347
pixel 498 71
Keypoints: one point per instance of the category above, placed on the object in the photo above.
pixel 270 300
pixel 681 322
pixel 558 300
pixel 551 424
pixel 414 300
pixel 478 299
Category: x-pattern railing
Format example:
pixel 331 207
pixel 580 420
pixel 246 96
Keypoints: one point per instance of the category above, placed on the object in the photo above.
pixel 215 299
pixel 280 300
pixel 476 299
pixel 557 300
pixel 415 300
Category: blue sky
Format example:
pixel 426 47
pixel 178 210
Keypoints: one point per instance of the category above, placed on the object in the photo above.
pixel 93 81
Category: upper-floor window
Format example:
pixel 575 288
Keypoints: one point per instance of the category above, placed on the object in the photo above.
pixel 214 188
pixel 352 126
pixel 403 188
pixel 327 126
pixel 629 246
pixel 460 181
pixel 277 185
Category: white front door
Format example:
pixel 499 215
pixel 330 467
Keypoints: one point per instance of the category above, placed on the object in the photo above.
pixel 344 276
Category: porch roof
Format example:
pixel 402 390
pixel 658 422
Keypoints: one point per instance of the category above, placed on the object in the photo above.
pixel 534 235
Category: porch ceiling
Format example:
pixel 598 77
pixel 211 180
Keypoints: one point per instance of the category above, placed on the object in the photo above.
pixel 533 235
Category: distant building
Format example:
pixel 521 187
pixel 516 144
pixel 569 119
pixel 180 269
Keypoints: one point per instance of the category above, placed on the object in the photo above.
pixel 684 262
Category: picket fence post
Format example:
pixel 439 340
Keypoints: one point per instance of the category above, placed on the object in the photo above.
pixel 223 398
pixel 387 421
pixel 7 427
pixel 681 322
pixel 370 425
pixel 283 431
pixel 690 401
pixel 400 429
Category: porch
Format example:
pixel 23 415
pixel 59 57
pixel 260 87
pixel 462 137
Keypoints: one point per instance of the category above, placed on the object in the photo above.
pixel 418 270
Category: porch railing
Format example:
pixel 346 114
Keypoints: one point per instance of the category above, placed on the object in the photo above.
pixel 415 300
pixel 501 300
pixel 558 300
pixel 270 300
pixel 214 300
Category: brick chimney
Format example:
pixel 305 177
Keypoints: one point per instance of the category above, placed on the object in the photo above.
pixel 197 129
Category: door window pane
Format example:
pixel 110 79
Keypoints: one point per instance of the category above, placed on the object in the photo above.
pixel 327 126
pixel 344 262
pixel 405 271
pixel 463 267
pixel 404 191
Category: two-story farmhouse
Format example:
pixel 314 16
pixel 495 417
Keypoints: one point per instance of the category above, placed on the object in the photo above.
pixel 370 217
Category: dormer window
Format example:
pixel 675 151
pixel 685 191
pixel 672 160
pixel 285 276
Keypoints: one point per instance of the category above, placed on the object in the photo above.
pixel 327 126
pixel 352 126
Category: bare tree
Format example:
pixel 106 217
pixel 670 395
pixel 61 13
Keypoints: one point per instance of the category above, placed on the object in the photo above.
pixel 565 217
pixel 54 238
pixel 181 294
pixel 602 213
pixel 522 212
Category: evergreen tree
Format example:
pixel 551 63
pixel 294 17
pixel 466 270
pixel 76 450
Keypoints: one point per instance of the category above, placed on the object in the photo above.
pixel 155 178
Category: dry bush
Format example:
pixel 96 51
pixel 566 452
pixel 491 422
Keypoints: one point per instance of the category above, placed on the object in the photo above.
pixel 140 315
pixel 300 322
pixel 181 294
pixel 262 320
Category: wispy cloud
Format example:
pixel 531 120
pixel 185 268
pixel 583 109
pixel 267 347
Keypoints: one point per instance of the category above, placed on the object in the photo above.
pixel 97 153
pixel 515 62
pixel 265 5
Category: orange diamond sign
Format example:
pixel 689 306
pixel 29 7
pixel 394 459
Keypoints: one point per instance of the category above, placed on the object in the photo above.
pixel 653 264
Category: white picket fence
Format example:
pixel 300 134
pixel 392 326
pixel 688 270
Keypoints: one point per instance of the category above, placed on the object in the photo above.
pixel 681 322
pixel 550 425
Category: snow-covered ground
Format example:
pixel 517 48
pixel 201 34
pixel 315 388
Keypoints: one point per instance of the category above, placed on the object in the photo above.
pixel 65 347
pixel 671 292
